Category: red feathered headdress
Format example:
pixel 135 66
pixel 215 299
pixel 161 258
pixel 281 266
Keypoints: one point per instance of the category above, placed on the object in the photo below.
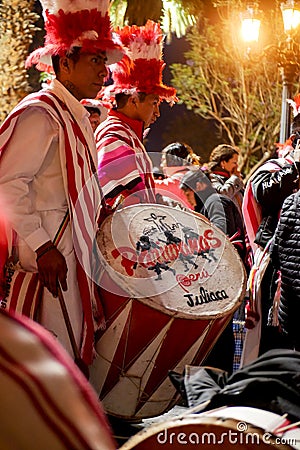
pixel 284 149
pixel 75 23
pixel 295 104
pixel 141 68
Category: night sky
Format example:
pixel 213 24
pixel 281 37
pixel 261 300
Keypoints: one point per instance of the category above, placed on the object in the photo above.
pixel 174 53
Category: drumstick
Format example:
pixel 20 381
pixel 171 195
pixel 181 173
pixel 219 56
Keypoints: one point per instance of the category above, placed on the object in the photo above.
pixel 77 358
pixel 192 410
pixel 288 427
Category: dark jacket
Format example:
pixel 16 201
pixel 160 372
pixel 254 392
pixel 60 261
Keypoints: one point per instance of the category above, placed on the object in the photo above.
pixel 285 254
pixel 270 189
pixel 271 383
pixel 223 213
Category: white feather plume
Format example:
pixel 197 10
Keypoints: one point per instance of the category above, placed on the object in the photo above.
pixel 53 6
pixel 139 49
pixel 294 107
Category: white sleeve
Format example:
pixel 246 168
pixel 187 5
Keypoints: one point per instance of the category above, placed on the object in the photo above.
pixel 20 164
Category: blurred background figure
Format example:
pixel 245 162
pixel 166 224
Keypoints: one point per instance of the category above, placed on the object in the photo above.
pixel 225 176
pixel 176 159
pixel 227 180
pixel 221 211
pixel 285 256
pixel 157 173
pixel 98 111
pixel 217 208
pixel 266 191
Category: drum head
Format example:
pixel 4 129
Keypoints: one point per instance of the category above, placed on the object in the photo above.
pixel 172 260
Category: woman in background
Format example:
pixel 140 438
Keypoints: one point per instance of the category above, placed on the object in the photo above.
pixel 225 176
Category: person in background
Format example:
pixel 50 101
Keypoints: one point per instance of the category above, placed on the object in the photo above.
pixel 217 208
pixel 265 194
pixel 176 159
pixel 48 160
pixel 221 212
pixel 157 173
pixel 124 167
pixel 226 179
pixel 98 111
pixel 225 176
pixel 285 257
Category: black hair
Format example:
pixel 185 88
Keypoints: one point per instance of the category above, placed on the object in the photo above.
pixel 93 110
pixel 74 55
pixel 192 177
pixel 180 154
pixel 121 99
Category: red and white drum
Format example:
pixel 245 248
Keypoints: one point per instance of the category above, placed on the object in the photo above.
pixel 170 285
pixel 242 428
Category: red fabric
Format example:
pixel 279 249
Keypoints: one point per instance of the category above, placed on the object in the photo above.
pixel 142 68
pixel 122 159
pixel 136 125
pixel 3 254
pixel 47 391
pixel 28 303
pixel 87 289
pixel 64 29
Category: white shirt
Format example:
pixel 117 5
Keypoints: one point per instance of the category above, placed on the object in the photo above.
pixel 31 182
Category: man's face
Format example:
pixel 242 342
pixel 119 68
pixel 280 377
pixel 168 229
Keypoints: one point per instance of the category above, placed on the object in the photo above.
pixel 148 110
pixel 84 78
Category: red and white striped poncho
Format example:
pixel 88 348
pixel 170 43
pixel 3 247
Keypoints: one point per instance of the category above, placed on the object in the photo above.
pixel 84 199
pixel 123 164
pixel 47 403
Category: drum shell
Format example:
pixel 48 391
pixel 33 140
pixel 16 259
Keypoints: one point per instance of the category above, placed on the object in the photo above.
pixel 149 335
pixel 138 349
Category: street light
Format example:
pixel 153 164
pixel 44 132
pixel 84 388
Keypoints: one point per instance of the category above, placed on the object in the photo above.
pixel 288 53
pixel 250 24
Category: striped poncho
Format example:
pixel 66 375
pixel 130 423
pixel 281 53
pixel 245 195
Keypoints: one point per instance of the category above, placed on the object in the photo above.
pixel 47 403
pixel 123 164
pixel 83 197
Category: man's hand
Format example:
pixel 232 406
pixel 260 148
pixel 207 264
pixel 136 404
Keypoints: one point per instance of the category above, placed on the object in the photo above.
pixel 236 172
pixel 52 268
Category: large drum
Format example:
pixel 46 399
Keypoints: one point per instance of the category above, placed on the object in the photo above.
pixel 170 285
pixel 237 427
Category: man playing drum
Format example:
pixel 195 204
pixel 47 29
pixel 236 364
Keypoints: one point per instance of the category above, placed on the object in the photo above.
pixel 48 160
pixel 124 168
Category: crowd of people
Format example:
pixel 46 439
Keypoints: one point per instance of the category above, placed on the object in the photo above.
pixel 60 179
pixel 261 222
